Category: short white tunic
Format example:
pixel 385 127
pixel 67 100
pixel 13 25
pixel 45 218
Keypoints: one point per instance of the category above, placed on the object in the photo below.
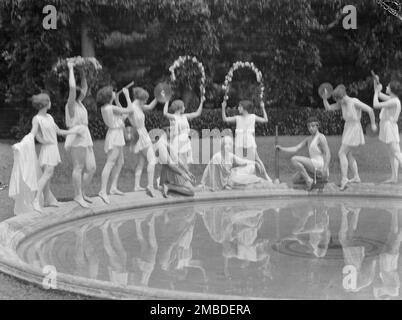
pixel 353 132
pixel 245 132
pixel 137 120
pixel 80 118
pixel 180 140
pixel 49 152
pixel 115 124
pixel 389 131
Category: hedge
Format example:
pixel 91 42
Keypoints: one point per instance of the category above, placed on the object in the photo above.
pixel 289 121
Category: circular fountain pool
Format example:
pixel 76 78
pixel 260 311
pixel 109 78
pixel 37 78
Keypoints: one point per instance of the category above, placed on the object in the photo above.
pixel 274 248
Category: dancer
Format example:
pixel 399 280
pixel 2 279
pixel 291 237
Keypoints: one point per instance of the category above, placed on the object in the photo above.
pixel 180 143
pixel 143 147
pixel 221 174
pixel 174 176
pixel 80 147
pixel 113 117
pixel 389 131
pixel 245 132
pixel 352 133
pixel 320 156
pixel 46 130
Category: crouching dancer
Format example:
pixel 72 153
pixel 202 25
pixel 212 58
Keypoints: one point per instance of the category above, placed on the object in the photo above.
pixel 308 169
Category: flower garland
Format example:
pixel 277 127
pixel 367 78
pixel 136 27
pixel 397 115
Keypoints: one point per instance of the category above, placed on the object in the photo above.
pixel 86 63
pixel 229 77
pixel 180 62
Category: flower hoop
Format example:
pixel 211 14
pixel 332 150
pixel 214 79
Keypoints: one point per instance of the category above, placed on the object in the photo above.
pixel 229 77
pixel 180 62
pixel 86 63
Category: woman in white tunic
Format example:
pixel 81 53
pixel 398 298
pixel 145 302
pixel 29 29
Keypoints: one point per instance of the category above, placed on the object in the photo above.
pixel 45 130
pixel 352 133
pixel 389 131
pixel 319 152
pixel 143 148
pixel 113 117
pixel 226 170
pixel 80 147
pixel 245 145
pixel 180 143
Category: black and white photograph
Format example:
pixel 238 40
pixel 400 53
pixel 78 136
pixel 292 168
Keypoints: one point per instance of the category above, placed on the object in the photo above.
pixel 200 150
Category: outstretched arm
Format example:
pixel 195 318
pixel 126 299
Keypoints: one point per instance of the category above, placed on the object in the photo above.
pixel 265 118
pixel 72 96
pixel 224 117
pixel 151 106
pixel 196 114
pixel 367 109
pixel 84 86
pixel 294 149
pixel 166 111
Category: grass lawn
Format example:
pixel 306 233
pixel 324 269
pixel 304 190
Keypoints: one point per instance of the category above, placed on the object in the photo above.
pixel 373 164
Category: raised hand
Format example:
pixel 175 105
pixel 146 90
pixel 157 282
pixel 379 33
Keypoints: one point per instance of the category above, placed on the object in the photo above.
pixel 224 104
pixel 125 91
pixel 70 64
pixel 278 147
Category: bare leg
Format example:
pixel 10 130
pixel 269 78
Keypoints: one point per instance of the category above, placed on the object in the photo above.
pixel 78 154
pixel 302 164
pixel 138 173
pixel 394 166
pixel 116 174
pixel 110 163
pixel 255 157
pixel 354 168
pixel 90 168
pixel 396 150
pixel 343 152
pixel 43 181
pixel 151 159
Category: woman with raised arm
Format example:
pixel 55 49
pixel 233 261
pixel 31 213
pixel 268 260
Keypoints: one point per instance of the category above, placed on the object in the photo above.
pixel 245 145
pixel 389 131
pixel 143 147
pixel 180 143
pixel 113 116
pixel 80 147
pixel 352 133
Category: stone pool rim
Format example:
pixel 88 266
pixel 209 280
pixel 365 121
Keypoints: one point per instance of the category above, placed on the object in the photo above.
pixel 16 230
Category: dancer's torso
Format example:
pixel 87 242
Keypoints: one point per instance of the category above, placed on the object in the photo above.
pixel 245 131
pixel 392 113
pixel 47 128
pixel 112 120
pixel 349 112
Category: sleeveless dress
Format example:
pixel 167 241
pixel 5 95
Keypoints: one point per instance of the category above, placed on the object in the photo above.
pixel 389 131
pixel 115 133
pixel 353 132
pixel 181 143
pixel 137 119
pixel 49 152
pixel 245 132
pixel 80 118
pixel 316 155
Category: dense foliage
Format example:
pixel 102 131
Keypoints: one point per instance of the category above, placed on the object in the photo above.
pixel 297 44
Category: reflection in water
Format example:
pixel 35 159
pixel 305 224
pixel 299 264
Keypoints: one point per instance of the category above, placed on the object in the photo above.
pixel 389 282
pixel 276 248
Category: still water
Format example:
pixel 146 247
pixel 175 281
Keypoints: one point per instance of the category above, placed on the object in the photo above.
pixel 303 248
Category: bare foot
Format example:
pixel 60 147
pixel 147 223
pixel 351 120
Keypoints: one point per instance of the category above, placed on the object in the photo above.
pixel 138 189
pixel 116 192
pixel 390 181
pixel 82 202
pixel 227 187
pixel 344 184
pixel 165 191
pixel 87 199
pixel 310 185
pixel 104 197
pixel 36 206
pixel 355 180
pixel 151 192
pixel 53 204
